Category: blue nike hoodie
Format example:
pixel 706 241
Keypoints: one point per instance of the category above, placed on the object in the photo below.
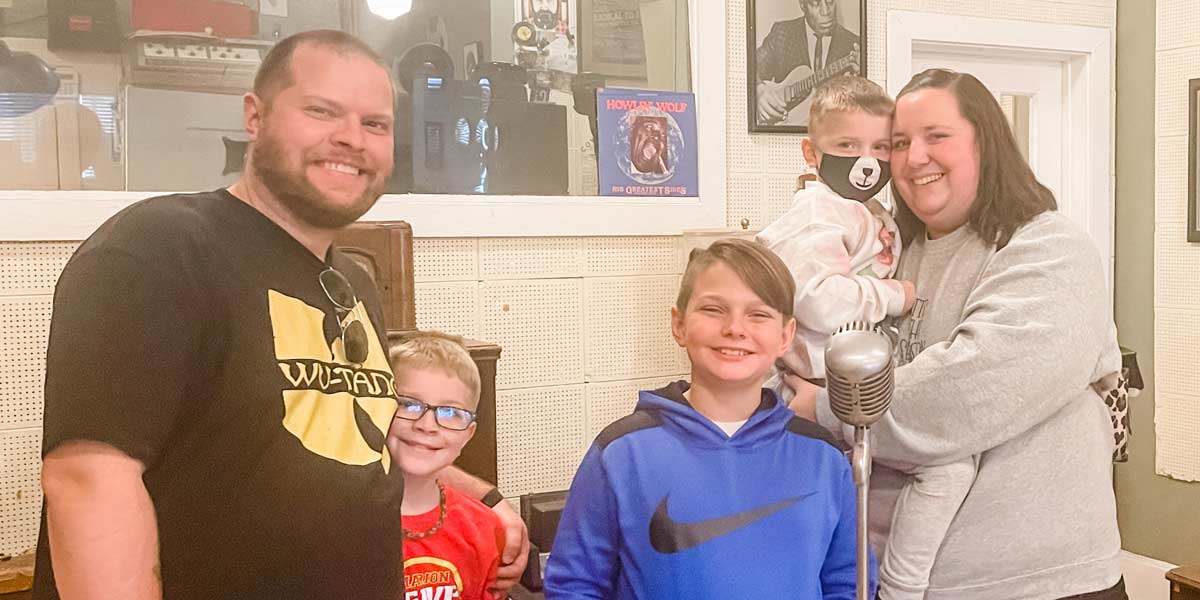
pixel 665 505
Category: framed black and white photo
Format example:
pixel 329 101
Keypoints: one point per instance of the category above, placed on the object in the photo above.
pixel 1193 193
pixel 793 46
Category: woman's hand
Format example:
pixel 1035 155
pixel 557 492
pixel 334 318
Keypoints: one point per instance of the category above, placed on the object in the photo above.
pixel 805 402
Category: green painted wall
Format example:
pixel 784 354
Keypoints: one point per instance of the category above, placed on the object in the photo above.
pixel 1159 517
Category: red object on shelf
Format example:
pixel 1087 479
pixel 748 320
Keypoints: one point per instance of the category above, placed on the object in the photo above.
pixel 226 19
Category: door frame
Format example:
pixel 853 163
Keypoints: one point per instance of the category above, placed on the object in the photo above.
pixel 1088 94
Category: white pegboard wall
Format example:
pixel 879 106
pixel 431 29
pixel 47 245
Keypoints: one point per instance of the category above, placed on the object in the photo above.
pixel 449 307
pixel 608 256
pixel 539 438
pixel 24 330
pixel 1177 428
pixel 20 490
pixel 744 200
pixel 1173 69
pixel 628 327
pixel 743 152
pixel 530 258
pixel 445 259
pixel 782 154
pixel 974 8
pixel 28 268
pixel 1178 22
pixel 1084 14
pixel 1176 314
pixel 608 401
pixel 777 197
pixel 1176 354
pixel 735 38
pixel 1170 181
pixel 539 324
pixel 1173 255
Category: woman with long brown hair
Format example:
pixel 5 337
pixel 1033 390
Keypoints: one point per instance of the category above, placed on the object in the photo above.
pixel 1004 358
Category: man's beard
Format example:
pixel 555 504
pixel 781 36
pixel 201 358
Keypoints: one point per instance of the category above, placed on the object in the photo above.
pixel 300 196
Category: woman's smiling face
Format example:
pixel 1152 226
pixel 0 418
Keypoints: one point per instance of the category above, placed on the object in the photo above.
pixel 935 161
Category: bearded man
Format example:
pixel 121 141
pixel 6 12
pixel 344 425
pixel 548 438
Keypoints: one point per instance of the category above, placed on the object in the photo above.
pixel 218 389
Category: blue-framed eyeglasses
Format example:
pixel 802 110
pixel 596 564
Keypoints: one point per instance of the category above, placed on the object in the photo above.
pixel 449 417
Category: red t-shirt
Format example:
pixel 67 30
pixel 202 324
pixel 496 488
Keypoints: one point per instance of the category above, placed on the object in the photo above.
pixel 460 560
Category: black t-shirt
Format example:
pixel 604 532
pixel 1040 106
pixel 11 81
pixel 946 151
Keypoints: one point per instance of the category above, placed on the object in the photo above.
pixel 192 333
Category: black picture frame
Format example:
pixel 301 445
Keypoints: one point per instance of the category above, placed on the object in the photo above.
pixel 1193 194
pixel 797 117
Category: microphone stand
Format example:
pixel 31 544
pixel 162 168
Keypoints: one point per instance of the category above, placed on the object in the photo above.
pixel 861 462
pixel 859 369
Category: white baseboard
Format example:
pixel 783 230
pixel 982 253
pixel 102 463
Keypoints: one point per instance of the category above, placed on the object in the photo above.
pixel 1145 578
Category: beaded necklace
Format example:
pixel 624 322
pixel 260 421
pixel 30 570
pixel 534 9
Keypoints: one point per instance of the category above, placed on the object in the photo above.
pixel 441 520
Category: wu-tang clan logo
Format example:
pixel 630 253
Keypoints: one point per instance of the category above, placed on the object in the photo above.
pixel 335 409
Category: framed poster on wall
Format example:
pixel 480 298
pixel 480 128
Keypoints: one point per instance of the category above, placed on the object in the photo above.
pixel 793 46
pixel 611 39
pixel 1193 195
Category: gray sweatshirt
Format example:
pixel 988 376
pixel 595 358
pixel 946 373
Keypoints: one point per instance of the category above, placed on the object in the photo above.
pixel 1002 361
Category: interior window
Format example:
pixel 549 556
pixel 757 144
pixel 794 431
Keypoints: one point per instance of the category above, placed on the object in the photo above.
pixel 495 96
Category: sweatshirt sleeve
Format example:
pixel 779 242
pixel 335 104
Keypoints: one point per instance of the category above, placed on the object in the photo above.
pixel 814 242
pixel 1034 333
pixel 584 561
pixel 839 574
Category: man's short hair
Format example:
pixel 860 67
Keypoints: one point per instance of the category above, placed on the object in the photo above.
pixel 275 72
pixel 438 351
pixel 759 268
pixel 846 93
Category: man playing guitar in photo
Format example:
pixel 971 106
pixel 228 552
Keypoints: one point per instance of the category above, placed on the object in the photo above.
pixel 796 56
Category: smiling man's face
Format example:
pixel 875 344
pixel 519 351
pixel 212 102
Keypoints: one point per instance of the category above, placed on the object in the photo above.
pixel 323 145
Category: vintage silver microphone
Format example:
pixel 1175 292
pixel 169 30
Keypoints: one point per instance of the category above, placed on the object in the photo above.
pixel 858 373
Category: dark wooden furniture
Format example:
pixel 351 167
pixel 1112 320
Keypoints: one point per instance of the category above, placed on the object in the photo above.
pixel 1185 582
pixel 15 579
pixel 385 250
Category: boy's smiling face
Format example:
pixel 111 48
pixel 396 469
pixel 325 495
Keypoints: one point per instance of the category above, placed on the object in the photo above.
pixel 421 448
pixel 731 335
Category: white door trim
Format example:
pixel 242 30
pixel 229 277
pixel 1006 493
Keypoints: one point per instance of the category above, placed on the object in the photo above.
pixel 1089 93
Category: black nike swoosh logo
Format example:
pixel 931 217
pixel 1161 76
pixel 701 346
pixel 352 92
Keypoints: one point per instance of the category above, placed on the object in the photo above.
pixel 669 536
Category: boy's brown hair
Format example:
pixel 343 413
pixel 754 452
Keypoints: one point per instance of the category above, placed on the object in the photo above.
pixel 846 93
pixel 759 268
pixel 437 350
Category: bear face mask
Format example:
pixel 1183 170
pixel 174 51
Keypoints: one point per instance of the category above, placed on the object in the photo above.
pixel 854 177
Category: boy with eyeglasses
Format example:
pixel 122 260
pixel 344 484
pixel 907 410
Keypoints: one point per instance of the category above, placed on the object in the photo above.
pixel 452 542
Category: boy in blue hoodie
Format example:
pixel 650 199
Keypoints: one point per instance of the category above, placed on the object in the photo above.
pixel 713 489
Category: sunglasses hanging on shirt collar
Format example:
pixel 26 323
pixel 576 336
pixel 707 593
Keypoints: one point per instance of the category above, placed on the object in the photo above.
pixel 854 177
pixel 354 333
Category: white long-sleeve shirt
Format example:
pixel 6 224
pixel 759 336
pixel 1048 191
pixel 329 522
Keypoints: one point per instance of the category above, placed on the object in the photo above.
pixel 831 246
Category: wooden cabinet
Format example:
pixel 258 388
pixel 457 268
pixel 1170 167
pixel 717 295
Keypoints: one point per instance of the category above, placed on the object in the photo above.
pixel 1185 582
pixel 385 250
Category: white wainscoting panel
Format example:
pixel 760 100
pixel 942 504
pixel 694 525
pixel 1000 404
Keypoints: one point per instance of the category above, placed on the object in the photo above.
pixel 450 307
pixel 539 438
pixel 20 489
pixel 539 325
pixel 628 327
